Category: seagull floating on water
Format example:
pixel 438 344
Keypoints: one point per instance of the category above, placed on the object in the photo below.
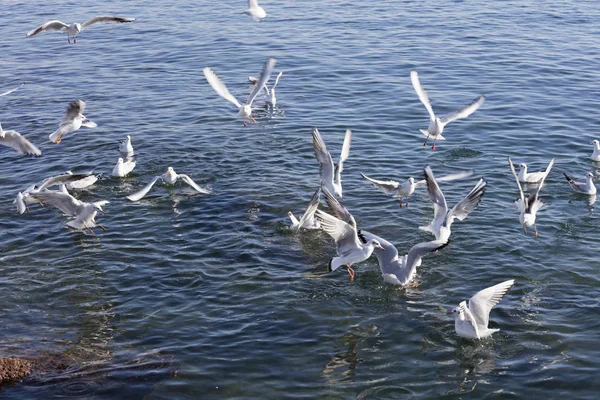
pixel 308 221
pixel 123 167
pixel 245 110
pixel 472 322
pixel 442 218
pixel 583 188
pixel 18 142
pixel 74 28
pixel 529 206
pixel 596 154
pixel 533 177
pixel 169 177
pixel 125 147
pixel 255 11
pixel 436 125
pixel 11 90
pixel 408 187
pixel 73 120
pixel 331 178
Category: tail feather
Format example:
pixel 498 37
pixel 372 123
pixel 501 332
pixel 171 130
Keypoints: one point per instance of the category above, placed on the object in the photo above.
pixel 53 136
pixel 425 132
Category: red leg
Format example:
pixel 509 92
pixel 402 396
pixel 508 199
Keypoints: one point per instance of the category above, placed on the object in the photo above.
pixel 400 201
pixel 433 147
pixel 68 38
pixel 406 201
pixel 350 272
pixel 425 143
pixel 75 39
pixel 536 232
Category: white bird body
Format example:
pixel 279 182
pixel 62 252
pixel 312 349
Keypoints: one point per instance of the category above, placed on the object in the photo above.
pixel 584 188
pixel 471 321
pixel 18 142
pixel 255 11
pixel 125 147
pixel 170 177
pixel 331 178
pixel 75 28
pixel 532 177
pixel 308 221
pixel 436 125
pixel 244 110
pixel 123 167
pixel 443 219
pixel 596 154
pixel 73 120
pixel 529 206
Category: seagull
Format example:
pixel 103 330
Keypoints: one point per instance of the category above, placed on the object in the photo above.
pixel 583 188
pixel 533 177
pixel 125 147
pixel 308 221
pixel 75 28
pixel 472 322
pixel 123 167
pixel 408 187
pixel 70 180
pixel 18 142
pixel 11 90
pixel 442 218
pixel 245 110
pixel 350 249
pixel 83 213
pixel 271 100
pixel 255 11
pixel 596 154
pixel 529 206
pixel 436 125
pixel 73 120
pixel 23 198
pixel 330 178
pixel 169 177
pixel 401 271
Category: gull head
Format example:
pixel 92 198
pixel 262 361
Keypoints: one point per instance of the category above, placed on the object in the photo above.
pixel 411 180
pixel 98 207
pixel 595 143
pixel 523 166
pixel 119 161
pixel 590 175
pixel 377 245
pixel 455 311
pixel 290 214
pixel 74 28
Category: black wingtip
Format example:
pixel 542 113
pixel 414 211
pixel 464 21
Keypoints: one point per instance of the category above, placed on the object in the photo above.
pixel 567 177
pixel 329 265
pixel 444 245
pixel 361 237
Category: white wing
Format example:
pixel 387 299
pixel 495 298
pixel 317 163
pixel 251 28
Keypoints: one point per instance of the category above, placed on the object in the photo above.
pixel 264 77
pixel 338 208
pixel 63 201
pixel 344 234
pixel 343 157
pixel 512 169
pixel 469 317
pixel 463 112
pixel 12 90
pixel 277 80
pixel 87 123
pixel 193 184
pixel 140 194
pixel 468 204
pixel 309 215
pixel 104 20
pixel 62 179
pixel 18 142
pixel 533 203
pixel 252 3
pixel 48 26
pixel 219 86
pixel 448 178
pixel 482 302
pixel 440 207
pixel 323 157
pixel 388 186
pixel 414 78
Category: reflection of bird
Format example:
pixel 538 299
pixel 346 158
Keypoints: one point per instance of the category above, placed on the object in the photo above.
pixel 584 188
pixel 18 142
pixel 308 221
pixel 255 11
pixel 533 177
pixel 244 110
pixel 331 178
pixel 169 177
pixel 73 120
pixel 75 28
pixel 436 125
pixel 442 218
pixel 529 206
pixel 472 321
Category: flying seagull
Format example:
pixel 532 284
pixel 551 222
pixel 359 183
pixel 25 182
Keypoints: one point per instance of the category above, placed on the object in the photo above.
pixel 73 120
pixel 74 28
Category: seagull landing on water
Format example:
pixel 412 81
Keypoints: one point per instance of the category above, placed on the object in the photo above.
pixel 74 28
pixel 18 142
pixel 436 125
pixel 533 177
pixel 529 206
pixel 596 154
pixel 73 120
pixel 471 321
pixel 255 11
pixel 331 178
pixel 308 221
pixel 408 187
pixel 169 177
pixel 586 187
pixel 244 110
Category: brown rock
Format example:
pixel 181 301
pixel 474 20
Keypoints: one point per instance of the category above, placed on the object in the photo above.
pixel 14 369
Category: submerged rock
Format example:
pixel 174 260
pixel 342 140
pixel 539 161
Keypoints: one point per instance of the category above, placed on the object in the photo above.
pixel 14 369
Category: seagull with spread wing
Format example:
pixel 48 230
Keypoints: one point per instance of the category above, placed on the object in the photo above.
pixel 73 120
pixel 244 110
pixel 74 28
pixel 437 124
pixel 170 177
pixel 18 142
pixel 471 321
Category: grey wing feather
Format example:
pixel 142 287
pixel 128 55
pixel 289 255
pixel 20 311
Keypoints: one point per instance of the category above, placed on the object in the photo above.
pixel 141 193
pixel 74 108
pixel 345 236
pixel 512 169
pixel 463 112
pixel 63 201
pixel 414 78
pixel 482 302
pixel 418 251
pixel 470 317
pixel 387 186
pixel 309 214
pixel 338 208
pixel 323 156
pixel 440 207
pixel 217 84
pixel 193 184
pixel 48 26
pixel 264 77
pixel 469 203
pixel 104 20
pixel 20 143
pixel 61 179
